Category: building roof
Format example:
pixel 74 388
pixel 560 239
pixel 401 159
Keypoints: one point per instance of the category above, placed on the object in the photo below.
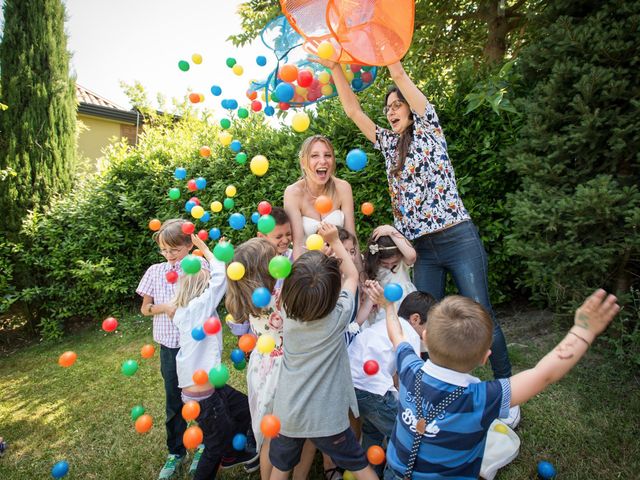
pixel 92 104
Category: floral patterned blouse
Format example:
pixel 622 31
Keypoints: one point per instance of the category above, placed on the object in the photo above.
pixel 424 195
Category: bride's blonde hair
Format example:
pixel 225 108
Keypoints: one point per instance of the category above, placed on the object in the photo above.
pixel 303 155
pixel 190 286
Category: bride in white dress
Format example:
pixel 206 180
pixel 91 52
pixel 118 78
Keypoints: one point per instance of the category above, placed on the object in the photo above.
pixel 318 164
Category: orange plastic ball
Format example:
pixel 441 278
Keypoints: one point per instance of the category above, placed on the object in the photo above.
pixel 367 208
pixel 194 97
pixel 247 342
pixel 323 204
pixel 67 359
pixel 270 426
pixel 190 410
pixel 154 225
pixel 375 455
pixel 200 377
pixel 198 252
pixel 147 351
pixel 192 437
pixel 144 423
pixel 252 94
pixel 289 73
pixel 205 151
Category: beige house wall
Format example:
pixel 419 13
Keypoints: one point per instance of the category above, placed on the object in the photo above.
pixel 96 134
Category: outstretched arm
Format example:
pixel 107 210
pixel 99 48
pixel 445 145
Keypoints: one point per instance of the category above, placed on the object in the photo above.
pixel 412 94
pixel 349 271
pixel 349 100
pixel 394 329
pixel 591 319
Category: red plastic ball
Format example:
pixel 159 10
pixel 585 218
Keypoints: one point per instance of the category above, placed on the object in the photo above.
pixel 203 235
pixel 188 228
pixel 264 208
pixel 195 200
pixel 172 276
pixel 305 78
pixel 109 324
pixel 256 105
pixel 283 106
pixel 191 185
pixel 371 367
pixel 211 326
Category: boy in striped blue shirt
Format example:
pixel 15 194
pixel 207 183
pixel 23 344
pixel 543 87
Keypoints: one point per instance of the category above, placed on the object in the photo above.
pixel 444 413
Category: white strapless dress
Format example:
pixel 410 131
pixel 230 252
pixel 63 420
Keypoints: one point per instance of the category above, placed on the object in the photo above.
pixel 310 225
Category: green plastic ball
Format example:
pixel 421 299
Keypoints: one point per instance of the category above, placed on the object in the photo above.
pixel 219 375
pixel 231 62
pixel 129 367
pixel 191 264
pixel 266 223
pixel 240 365
pixel 225 123
pixel 183 65
pixel 228 203
pixel 137 411
pixel 280 267
pixel 223 251
pixel 243 113
pixel 241 158
pixel 174 193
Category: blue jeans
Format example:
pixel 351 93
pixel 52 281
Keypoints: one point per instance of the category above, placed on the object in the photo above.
pixel 175 424
pixel 378 414
pixel 459 251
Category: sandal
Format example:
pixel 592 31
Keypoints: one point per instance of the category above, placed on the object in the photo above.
pixel 333 474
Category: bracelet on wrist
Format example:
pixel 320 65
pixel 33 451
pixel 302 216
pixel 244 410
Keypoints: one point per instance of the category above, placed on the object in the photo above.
pixel 580 337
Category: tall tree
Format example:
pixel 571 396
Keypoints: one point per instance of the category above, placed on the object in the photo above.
pixel 576 218
pixel 37 130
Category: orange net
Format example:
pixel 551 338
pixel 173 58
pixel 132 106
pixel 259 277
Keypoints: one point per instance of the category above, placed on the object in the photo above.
pixel 369 32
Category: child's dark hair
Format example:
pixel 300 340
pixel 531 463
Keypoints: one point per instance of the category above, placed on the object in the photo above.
pixel 171 233
pixel 416 302
pixel 312 289
pixel 406 137
pixel 280 216
pixel 344 234
pixel 382 248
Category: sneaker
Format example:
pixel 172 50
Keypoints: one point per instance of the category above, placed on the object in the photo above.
pixel 3 446
pixel 196 459
pixel 514 417
pixel 171 467
pixel 253 465
pixel 241 459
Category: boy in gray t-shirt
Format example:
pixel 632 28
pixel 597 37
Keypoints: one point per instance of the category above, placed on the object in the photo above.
pixel 315 391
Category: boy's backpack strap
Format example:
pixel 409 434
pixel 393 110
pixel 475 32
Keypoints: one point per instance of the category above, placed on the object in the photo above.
pixel 422 421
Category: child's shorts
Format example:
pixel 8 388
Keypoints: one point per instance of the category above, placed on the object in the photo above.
pixel 343 448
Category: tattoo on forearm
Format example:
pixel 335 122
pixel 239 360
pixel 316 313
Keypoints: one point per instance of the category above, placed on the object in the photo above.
pixel 582 320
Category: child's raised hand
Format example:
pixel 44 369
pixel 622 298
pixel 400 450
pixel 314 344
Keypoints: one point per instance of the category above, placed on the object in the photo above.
pixel 597 312
pixel 199 244
pixel 383 230
pixel 373 289
pixel 328 232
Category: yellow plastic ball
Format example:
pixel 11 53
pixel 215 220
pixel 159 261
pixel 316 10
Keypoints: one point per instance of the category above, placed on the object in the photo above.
pixel 197 211
pixel 326 50
pixel 347 475
pixel 327 90
pixel 237 69
pixel 301 91
pixel 300 122
pixel 225 138
pixel 263 96
pixel 201 97
pixel 500 428
pixel 196 58
pixel 259 165
pixel 324 77
pixel 315 242
pixel 216 206
pixel 266 343
pixel 230 191
pixel 235 271
pixel 229 318
pixel 349 76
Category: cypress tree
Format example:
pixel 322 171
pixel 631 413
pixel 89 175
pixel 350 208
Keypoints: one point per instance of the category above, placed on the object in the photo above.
pixel 37 131
pixel 576 216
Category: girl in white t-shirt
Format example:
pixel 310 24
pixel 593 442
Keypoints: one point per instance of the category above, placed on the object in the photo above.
pixel 224 411
pixel 388 257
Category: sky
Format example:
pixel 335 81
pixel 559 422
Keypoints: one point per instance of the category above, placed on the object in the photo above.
pixel 143 40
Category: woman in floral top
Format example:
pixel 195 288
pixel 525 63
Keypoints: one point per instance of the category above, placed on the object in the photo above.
pixel 427 208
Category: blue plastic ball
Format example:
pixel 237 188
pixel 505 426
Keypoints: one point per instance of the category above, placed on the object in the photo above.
pixel 269 110
pixel 214 233
pixel 237 221
pixel 180 173
pixel 237 355
pixel 60 469
pixel 261 297
pixel 356 159
pixel 261 60
pixel 255 216
pixel 232 104
pixel 225 104
pixel 236 146
pixel 393 292
pixel 206 216
pixel 356 84
pixel 284 91
pixel 546 470
pixel 198 333
pixel 239 442
pixel 189 205
pixel 201 183
pixel 216 90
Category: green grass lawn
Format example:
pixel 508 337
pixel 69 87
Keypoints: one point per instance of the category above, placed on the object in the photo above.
pixel 588 425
